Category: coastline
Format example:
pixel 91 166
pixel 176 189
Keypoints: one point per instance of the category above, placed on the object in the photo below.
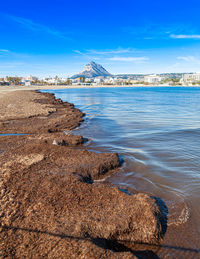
pixel 46 170
pixel 7 89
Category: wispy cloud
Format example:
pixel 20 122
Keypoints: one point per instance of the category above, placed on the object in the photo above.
pixel 13 64
pixel 111 51
pixel 184 36
pixel 149 31
pixel 8 54
pixel 130 59
pixel 152 31
pixel 190 59
pixel 4 51
pixel 86 55
pixel 78 52
pixel 33 26
pixel 123 55
pixel 106 52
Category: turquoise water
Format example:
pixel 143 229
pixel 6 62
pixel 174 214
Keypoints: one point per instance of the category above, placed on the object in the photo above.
pixel 156 131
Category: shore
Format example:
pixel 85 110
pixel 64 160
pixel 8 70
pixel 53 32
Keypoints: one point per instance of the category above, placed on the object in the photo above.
pixel 51 205
pixel 7 89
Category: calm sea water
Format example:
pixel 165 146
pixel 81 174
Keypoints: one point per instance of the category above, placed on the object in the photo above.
pixel 157 133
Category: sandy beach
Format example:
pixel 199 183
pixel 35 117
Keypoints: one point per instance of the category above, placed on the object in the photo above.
pixel 51 205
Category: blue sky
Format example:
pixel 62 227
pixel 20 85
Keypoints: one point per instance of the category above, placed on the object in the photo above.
pixel 58 37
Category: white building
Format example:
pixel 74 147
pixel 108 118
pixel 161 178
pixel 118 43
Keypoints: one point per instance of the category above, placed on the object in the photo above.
pixel 89 79
pixel 30 78
pixel 62 80
pixel 26 82
pixel 50 80
pixel 152 79
pixel 191 78
pixel 98 80
pixel 111 80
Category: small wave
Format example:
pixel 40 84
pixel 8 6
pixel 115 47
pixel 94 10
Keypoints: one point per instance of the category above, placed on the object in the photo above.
pixel 178 210
pixel 185 131
pixel 182 218
pixel 100 180
pixel 121 169
pixel 12 134
pixel 179 213
pixel 83 125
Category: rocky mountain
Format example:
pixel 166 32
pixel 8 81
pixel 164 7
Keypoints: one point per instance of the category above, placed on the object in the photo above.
pixel 92 70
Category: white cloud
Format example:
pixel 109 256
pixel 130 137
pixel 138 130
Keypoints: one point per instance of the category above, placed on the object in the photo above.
pixel 106 52
pixel 129 59
pixel 190 59
pixel 86 55
pixel 176 65
pixel 5 53
pixel 13 64
pixel 152 31
pixel 184 36
pixel 78 52
pixel 33 26
pixel 111 51
pixel 4 50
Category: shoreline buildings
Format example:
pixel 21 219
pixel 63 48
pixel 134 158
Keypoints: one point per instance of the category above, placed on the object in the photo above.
pixel 95 74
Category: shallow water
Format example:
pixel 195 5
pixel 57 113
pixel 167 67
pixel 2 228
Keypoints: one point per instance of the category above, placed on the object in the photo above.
pixel 156 131
pixel 11 134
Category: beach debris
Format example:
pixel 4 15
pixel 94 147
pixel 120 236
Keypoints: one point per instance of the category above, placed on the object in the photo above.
pixel 67 132
pixel 55 142
pixel 51 206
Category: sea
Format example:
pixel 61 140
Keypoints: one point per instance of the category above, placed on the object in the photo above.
pixel 156 132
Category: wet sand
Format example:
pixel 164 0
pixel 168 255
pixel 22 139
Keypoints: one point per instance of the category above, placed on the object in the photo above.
pixel 51 205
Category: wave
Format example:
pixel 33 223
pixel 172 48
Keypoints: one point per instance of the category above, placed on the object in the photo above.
pixel 182 218
pixel 179 212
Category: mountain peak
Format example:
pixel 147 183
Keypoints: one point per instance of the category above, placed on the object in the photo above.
pixel 92 69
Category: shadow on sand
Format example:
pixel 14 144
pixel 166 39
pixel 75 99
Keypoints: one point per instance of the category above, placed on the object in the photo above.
pixel 137 249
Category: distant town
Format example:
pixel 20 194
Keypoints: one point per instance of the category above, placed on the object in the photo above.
pixel 172 79
pixel 95 74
